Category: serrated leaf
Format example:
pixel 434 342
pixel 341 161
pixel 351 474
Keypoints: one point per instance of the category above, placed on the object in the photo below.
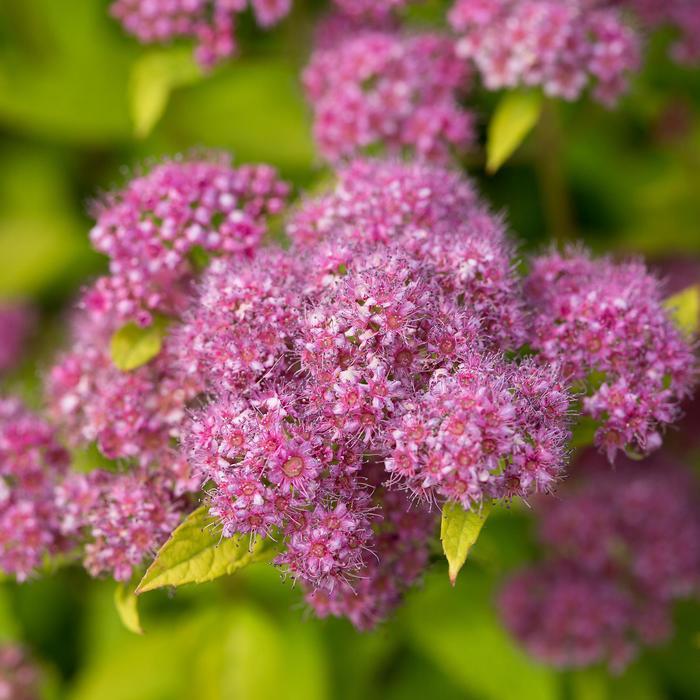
pixel 514 118
pixel 133 346
pixel 196 553
pixel 153 77
pixel 684 308
pixel 126 604
pixel 459 531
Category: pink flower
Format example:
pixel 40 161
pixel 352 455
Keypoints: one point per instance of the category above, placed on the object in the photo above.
pixel 606 323
pixel 31 464
pixel 211 23
pixel 561 47
pixel 379 88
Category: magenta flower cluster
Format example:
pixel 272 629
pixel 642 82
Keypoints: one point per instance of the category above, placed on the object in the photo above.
pixel 381 88
pixel 121 519
pixel 623 546
pixel 608 323
pixel 211 23
pixel 153 230
pixel 377 340
pixel 560 46
pixel 330 397
pixel 31 464
pixel 16 323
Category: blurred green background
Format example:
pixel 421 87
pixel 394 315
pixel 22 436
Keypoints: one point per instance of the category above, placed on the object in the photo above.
pixel 81 106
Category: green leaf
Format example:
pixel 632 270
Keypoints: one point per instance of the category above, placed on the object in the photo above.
pixel 153 77
pixel 126 603
pixel 133 346
pixel 515 116
pixel 684 308
pixel 196 553
pixel 459 530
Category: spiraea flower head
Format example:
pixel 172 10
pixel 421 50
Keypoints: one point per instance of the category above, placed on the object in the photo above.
pixel 211 23
pixel 400 552
pixel 621 547
pixel 570 619
pixel 133 415
pixel 639 523
pixel 31 463
pixel 562 46
pixel 242 322
pixel 121 519
pixel 607 323
pixel 154 229
pixel 379 88
pixel 489 429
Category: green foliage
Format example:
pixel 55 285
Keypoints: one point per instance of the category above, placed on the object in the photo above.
pixel 515 116
pixel 684 308
pixel 133 346
pixel 459 530
pixel 196 553
pixel 153 77
pixel 234 651
pixel 459 632
pixel 126 604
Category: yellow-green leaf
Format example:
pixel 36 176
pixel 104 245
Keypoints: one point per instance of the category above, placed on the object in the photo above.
pixel 515 116
pixel 196 553
pixel 126 603
pixel 685 309
pixel 459 530
pixel 153 77
pixel 133 346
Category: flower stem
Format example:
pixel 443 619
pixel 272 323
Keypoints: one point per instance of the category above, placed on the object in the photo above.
pixel 551 175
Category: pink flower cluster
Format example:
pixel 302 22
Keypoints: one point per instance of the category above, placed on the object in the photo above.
pixel 156 228
pixel 399 557
pixel 20 678
pixel 120 518
pixel 16 323
pixel 391 311
pixel 327 396
pixel 559 45
pixel 31 464
pixel 608 323
pixel 380 88
pixel 211 23
pixel 625 545
pixel 488 430
pixel 134 415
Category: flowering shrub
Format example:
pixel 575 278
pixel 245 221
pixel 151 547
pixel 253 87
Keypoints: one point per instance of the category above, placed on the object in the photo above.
pixel 624 545
pixel 332 397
